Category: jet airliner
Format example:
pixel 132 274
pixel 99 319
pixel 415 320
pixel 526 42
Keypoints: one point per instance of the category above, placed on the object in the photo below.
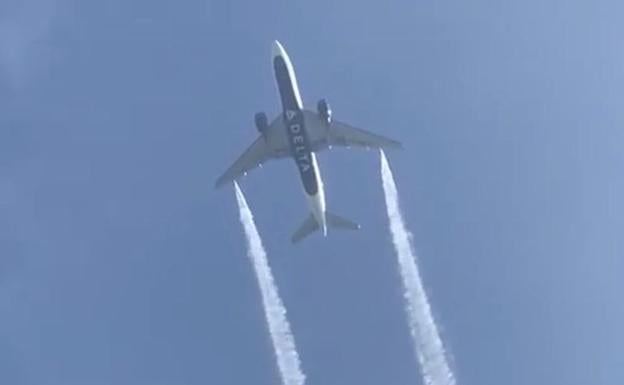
pixel 300 133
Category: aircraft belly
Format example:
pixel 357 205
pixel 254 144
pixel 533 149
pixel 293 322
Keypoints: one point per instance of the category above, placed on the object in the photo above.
pixel 297 134
pixel 317 133
pixel 286 83
pixel 316 204
pixel 300 150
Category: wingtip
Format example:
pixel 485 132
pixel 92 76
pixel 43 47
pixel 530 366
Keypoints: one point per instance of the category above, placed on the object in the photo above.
pixel 394 145
pixel 222 182
pixel 295 240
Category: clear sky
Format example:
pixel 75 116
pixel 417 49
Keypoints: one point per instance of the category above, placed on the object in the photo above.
pixel 119 262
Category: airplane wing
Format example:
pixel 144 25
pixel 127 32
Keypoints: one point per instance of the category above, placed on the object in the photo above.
pixel 342 134
pixel 265 147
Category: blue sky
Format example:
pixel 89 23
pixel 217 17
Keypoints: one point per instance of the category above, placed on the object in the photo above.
pixel 119 262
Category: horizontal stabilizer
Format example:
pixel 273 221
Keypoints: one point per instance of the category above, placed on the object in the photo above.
pixel 308 226
pixel 338 222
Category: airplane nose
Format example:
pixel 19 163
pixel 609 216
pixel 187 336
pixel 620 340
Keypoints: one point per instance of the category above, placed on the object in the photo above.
pixel 277 49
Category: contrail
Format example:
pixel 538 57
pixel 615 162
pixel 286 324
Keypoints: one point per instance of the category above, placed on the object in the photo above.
pixel 274 310
pixel 427 342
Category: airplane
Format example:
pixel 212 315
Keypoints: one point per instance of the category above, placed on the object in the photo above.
pixel 300 133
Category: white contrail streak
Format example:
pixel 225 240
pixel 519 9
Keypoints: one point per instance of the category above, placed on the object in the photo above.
pixel 427 342
pixel 274 310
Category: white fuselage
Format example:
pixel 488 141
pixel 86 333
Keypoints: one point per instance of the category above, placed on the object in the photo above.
pixel 297 135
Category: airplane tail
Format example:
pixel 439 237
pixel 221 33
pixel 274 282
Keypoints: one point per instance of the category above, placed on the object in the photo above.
pixel 310 225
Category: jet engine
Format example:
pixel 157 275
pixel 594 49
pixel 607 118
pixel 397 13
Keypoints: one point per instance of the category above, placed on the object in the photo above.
pixel 324 111
pixel 262 124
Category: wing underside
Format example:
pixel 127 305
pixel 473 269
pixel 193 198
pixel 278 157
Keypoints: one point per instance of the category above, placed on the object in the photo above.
pixel 271 145
pixel 342 134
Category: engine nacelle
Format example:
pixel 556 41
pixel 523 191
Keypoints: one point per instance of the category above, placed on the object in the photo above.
pixel 262 124
pixel 324 111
